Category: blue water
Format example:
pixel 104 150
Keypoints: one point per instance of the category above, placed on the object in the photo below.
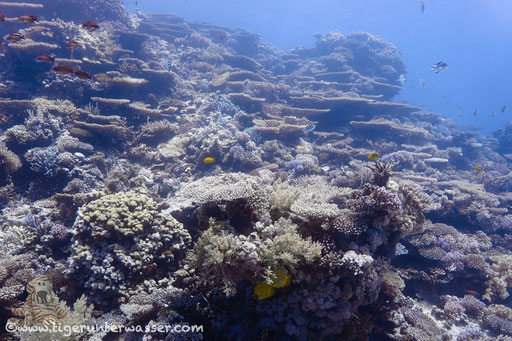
pixel 472 36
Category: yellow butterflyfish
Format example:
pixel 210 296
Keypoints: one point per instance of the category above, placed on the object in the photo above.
pixel 373 156
pixel 263 290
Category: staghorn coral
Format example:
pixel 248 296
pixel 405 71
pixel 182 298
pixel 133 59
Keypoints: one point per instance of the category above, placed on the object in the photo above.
pixel 382 172
pixel 44 160
pixel 121 237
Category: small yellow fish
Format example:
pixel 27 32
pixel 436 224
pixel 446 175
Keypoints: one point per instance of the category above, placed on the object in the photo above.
pixel 478 169
pixel 208 160
pixel 373 156
pixel 263 290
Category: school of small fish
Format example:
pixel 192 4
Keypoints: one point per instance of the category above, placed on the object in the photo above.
pixel 28 19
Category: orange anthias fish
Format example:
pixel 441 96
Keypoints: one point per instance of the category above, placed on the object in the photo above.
pixel 73 44
pixel 90 25
pixel 28 19
pixel 44 58
pixel 62 69
pixel 82 74
pixel 14 37
pixel 2 16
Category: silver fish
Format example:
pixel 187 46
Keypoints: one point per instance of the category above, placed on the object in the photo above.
pixel 167 64
pixel 439 67
pixel 309 128
pixel 402 79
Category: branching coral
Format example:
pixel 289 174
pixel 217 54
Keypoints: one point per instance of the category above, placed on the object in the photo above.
pixel 221 256
pixel 501 277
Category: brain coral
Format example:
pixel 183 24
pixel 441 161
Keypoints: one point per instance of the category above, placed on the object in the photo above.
pixel 119 239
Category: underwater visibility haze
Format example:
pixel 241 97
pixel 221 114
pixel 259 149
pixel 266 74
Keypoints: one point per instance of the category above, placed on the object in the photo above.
pixel 265 170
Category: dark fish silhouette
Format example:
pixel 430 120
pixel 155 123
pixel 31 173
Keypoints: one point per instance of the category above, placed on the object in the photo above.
pixel 62 69
pixel 14 37
pixel 82 74
pixel 439 67
pixel 422 6
pixel 90 25
pixel 2 16
pixel 475 112
pixel 28 19
pixel 44 58
pixel 504 108
pixel 73 44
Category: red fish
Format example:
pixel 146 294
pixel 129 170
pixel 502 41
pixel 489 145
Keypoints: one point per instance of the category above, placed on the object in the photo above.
pixel 82 74
pixel 90 25
pixel 44 58
pixel 14 37
pixel 2 16
pixel 73 44
pixel 62 69
pixel 28 19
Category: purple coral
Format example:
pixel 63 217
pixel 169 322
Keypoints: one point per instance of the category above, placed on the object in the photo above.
pixel 469 334
pixel 301 165
pixel 45 161
pixel 59 232
pixel 386 200
pixel 474 307
pixel 453 261
pixel 242 158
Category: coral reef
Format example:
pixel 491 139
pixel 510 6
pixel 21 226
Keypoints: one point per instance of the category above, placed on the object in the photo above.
pixel 183 173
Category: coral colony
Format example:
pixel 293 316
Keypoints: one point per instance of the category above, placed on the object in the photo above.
pixel 155 171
